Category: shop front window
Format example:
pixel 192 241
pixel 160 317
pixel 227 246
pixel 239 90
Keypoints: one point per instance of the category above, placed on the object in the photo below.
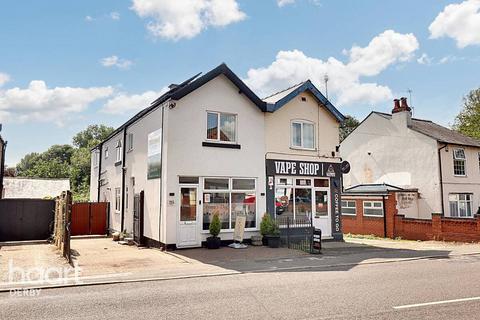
pixel 303 203
pixel 229 197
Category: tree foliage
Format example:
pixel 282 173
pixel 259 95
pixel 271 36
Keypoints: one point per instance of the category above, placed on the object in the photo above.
pixel 348 126
pixel 66 161
pixel 467 121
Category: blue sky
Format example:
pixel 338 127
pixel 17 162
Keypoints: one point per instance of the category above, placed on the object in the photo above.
pixel 101 61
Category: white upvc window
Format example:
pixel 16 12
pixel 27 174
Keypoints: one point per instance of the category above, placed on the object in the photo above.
pixel 303 134
pixel 130 142
pixel 118 151
pixel 460 205
pixel 349 208
pixel 459 162
pixel 106 152
pixel 373 208
pixel 221 127
pixel 117 200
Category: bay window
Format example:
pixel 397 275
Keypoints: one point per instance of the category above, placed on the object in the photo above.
pixel 303 135
pixel 221 127
pixel 229 197
pixel 460 205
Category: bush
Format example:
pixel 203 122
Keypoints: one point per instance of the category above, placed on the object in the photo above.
pixel 215 225
pixel 266 225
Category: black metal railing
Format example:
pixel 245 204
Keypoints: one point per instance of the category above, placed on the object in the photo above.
pixel 296 233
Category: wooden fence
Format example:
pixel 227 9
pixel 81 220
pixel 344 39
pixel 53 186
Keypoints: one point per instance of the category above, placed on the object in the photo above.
pixel 63 217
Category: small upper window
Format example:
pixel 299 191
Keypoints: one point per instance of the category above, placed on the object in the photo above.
pixel 221 127
pixel 303 135
pixel 130 142
pixel 95 156
pixel 106 152
pixel 459 160
pixel 119 151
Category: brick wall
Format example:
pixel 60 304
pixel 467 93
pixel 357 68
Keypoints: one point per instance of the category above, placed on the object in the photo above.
pixel 438 228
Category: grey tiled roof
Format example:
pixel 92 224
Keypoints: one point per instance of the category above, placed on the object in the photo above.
pixel 438 132
pixel 371 189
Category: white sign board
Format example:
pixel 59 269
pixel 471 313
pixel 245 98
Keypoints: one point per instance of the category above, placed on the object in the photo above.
pixel 239 228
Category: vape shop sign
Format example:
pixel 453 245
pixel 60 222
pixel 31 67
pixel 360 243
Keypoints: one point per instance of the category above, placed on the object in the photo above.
pixel 301 168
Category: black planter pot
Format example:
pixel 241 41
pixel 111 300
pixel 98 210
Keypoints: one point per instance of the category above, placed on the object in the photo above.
pixel 274 241
pixel 214 242
pixel 265 240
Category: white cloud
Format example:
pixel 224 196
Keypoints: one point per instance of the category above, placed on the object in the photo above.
pixel 282 3
pixel 115 15
pixel 4 78
pixel 425 59
pixel 125 103
pixel 459 21
pixel 291 67
pixel 173 19
pixel 115 61
pixel 89 18
pixel 37 102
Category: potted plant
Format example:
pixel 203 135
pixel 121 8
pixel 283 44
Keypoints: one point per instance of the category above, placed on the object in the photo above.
pixel 274 235
pixel 265 227
pixel 214 241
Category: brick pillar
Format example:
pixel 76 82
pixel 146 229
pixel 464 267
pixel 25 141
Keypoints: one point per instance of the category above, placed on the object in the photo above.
pixel 477 217
pixel 390 213
pixel 437 226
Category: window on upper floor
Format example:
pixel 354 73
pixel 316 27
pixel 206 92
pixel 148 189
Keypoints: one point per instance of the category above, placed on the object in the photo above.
pixel 459 160
pixel 96 156
pixel 130 142
pixel 221 127
pixel 118 151
pixel 460 205
pixel 106 152
pixel 303 135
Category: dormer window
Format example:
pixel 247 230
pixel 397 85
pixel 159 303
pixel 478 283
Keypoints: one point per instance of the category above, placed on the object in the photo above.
pixel 119 151
pixel 303 135
pixel 221 127
pixel 459 160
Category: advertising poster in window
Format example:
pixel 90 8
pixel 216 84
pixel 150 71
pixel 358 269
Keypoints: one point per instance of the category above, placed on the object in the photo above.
pixel 154 154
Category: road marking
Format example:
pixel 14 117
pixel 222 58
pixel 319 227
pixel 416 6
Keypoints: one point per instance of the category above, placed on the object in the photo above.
pixel 435 303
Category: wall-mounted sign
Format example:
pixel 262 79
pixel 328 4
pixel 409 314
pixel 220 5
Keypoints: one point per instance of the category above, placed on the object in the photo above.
pixel 302 168
pixel 154 153
pixel 345 167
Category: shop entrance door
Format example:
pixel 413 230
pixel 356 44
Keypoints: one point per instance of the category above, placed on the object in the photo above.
pixel 322 218
pixel 188 234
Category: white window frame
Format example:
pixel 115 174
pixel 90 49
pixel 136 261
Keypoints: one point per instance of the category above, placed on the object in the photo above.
pixel 106 153
pixel 457 195
pixel 118 201
pixel 462 159
pixel 230 190
pixel 96 158
pixel 129 142
pixel 118 152
pixel 302 123
pixel 373 206
pixel 348 201
pixel 219 114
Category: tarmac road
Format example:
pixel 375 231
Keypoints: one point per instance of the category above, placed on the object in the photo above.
pixel 375 291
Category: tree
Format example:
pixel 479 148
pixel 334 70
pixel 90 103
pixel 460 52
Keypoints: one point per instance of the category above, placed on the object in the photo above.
pixel 91 136
pixel 10 172
pixel 53 163
pixel 348 126
pixel 467 121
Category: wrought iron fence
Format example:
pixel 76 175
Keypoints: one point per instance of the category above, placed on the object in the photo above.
pixel 296 233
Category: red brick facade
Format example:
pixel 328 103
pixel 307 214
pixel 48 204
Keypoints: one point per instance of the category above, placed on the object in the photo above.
pixel 395 225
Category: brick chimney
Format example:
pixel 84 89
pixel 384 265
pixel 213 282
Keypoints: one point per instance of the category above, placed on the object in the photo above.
pixel 401 113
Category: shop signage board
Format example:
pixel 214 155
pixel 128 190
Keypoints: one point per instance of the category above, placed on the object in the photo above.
pixel 302 168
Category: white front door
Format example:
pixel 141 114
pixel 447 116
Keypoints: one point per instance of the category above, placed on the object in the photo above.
pixel 321 215
pixel 188 234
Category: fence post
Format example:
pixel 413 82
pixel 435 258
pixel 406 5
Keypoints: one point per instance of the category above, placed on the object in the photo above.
pixel 288 232
pixel 437 226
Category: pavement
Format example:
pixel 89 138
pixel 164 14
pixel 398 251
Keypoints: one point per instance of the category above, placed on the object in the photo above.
pixel 431 288
pixel 101 261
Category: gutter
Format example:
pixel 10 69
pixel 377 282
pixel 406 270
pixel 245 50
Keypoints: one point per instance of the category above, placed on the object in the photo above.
pixel 384 218
pixel 100 148
pixel 161 178
pixel 441 176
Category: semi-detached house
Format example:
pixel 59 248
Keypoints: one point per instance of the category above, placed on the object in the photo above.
pixel 414 155
pixel 211 145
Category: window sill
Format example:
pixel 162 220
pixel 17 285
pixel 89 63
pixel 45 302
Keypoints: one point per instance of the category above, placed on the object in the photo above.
pixel 221 145
pixel 302 149
pixel 117 212
pixel 349 215
pixel 460 175
pixel 118 163
pixel 372 216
